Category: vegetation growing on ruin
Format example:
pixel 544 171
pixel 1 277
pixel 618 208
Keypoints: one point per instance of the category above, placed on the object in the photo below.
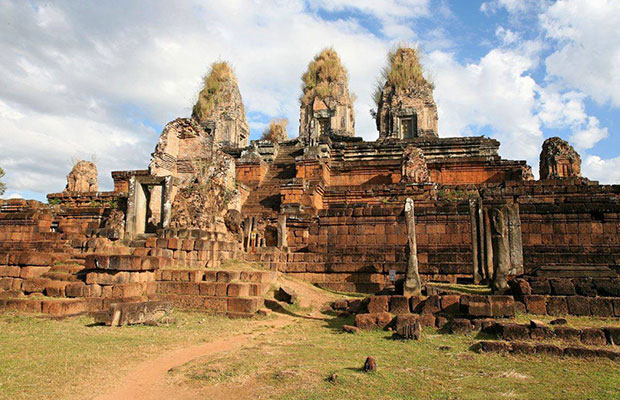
pixel 2 185
pixel 276 131
pixel 211 93
pixel 403 70
pixel 323 76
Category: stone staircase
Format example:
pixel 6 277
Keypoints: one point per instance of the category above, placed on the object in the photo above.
pixel 264 200
pixel 235 293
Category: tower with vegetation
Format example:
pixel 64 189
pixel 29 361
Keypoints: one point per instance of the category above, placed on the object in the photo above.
pixel 326 104
pixel 219 109
pixel 404 98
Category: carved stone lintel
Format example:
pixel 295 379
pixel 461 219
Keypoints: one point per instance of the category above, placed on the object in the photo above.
pixel 412 285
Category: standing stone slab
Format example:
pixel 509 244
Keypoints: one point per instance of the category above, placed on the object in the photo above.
pixel 412 285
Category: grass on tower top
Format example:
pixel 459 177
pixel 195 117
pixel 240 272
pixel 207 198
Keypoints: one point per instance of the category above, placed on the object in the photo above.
pixel 210 94
pixel 402 71
pixel 276 131
pixel 323 72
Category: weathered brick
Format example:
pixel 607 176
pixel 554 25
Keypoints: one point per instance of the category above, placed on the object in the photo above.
pixel 536 304
pixel 378 304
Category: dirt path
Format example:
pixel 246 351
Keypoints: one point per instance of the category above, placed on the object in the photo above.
pixel 148 379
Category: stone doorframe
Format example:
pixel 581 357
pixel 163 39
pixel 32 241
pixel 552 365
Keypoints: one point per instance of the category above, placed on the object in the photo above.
pixel 137 203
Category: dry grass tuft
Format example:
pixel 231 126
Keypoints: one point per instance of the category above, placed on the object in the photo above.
pixel 402 71
pixel 276 131
pixel 324 71
pixel 210 94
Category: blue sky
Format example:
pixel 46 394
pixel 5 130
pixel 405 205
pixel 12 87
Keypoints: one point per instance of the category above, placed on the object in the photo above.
pixel 99 80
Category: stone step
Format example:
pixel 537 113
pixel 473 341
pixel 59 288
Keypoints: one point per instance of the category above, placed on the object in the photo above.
pixel 187 275
pixel 214 289
pixel 54 307
pixel 232 306
pixel 126 262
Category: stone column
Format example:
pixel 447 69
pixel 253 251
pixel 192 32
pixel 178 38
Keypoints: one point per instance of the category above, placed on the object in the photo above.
pixel 282 233
pixel 473 214
pixel 516 241
pixel 412 285
pixel 488 247
pixel 501 248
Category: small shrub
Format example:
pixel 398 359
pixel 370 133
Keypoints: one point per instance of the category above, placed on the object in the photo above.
pixel 211 93
pixel 276 131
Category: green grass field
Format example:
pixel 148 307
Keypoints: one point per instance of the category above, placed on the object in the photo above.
pixel 70 359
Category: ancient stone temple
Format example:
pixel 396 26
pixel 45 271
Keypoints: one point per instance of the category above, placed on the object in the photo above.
pixel 326 104
pixel 82 178
pixel 219 109
pixel 558 159
pixel 405 105
pixel 327 208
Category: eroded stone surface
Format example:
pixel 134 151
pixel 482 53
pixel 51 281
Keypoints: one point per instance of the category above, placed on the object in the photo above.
pixel 82 178
pixel 558 159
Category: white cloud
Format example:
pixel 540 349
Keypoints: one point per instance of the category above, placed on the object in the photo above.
pixel 588 52
pixel 605 171
pixel 512 6
pixel 587 136
pixel 506 35
pixel 81 78
pixel 561 110
pixel 393 15
pixel 495 93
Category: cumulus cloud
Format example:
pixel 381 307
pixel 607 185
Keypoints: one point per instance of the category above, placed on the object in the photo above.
pixel 80 78
pixel 606 171
pixel 496 93
pixel 588 53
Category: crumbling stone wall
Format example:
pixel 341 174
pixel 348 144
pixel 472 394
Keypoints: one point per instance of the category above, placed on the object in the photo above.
pixel 82 178
pixel 558 159
pixel 405 104
pixel 219 108
pixel 326 104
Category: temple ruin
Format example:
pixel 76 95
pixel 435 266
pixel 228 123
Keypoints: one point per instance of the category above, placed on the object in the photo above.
pixel 380 217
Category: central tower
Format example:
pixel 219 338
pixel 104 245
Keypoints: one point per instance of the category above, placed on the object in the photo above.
pixel 405 105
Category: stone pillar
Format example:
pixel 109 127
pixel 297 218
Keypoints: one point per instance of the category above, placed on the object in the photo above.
pixel 412 285
pixel 488 247
pixel 282 232
pixel 473 214
pixel 516 242
pixel 501 248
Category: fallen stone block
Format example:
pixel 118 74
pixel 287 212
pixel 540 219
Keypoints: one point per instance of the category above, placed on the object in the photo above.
pixel 494 346
pixel 461 326
pixel 512 332
pixel 567 333
pixel 350 329
pixel 407 326
pixel 120 314
pixel 63 307
pixel 593 337
pixel 450 304
pixel 613 335
pixel 399 304
pixel 548 349
pixel 286 295
pixel 523 348
pixel 581 352
pixel 378 304
pixel 431 305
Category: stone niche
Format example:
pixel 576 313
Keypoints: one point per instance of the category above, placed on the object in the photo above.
pixel 405 105
pixel 326 104
pixel 558 159
pixel 82 178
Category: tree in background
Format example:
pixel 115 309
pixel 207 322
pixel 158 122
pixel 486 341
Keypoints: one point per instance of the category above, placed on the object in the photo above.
pixel 2 185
